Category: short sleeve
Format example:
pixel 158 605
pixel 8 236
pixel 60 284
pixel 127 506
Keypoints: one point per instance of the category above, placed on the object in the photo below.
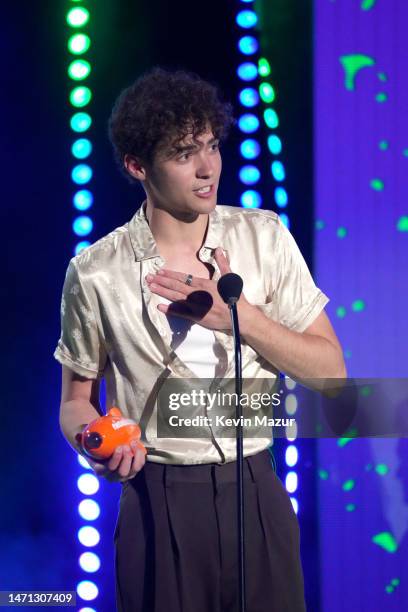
pixel 299 300
pixel 79 347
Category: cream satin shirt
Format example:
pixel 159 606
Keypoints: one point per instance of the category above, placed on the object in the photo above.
pixel 111 327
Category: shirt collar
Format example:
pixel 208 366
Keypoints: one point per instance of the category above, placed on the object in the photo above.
pixel 144 244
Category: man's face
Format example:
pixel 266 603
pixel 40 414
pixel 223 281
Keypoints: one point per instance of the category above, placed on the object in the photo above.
pixel 183 178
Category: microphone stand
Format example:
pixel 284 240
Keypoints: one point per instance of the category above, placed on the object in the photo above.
pixel 240 454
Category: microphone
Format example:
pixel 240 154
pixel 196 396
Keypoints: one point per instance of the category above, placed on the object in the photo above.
pixel 230 287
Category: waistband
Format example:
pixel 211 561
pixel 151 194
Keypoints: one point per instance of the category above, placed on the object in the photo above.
pixel 254 466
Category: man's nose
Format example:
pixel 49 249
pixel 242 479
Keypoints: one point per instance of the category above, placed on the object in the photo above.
pixel 204 167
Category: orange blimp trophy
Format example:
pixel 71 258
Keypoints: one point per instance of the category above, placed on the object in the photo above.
pixel 101 437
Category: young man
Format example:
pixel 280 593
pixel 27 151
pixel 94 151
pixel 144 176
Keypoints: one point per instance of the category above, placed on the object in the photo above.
pixel 130 313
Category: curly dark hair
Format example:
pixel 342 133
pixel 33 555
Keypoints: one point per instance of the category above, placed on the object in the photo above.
pixel 159 109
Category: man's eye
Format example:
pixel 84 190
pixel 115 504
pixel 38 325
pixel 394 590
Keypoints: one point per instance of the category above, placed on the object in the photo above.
pixel 215 146
pixel 184 157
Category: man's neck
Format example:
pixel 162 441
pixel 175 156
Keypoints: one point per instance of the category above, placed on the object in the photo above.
pixel 172 233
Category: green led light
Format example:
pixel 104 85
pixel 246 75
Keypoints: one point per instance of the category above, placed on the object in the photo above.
pixel 341 232
pixel 79 69
pixel 349 485
pixel 320 224
pixel 366 391
pixel 381 469
pixel 383 145
pixel 271 118
pixel 358 305
pixel 77 17
pixel 79 43
pixel 264 68
pixel 80 122
pixel 389 588
pixel 377 184
pixel 80 96
pixel 347 353
pixel 341 312
pixel 381 97
pixel 386 540
pixel 266 92
pixel 402 225
pixel 350 507
pixel 324 474
pixel 405 152
pixel 395 581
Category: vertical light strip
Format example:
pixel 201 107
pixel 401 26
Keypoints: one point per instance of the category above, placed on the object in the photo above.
pixel 80 96
pixel 256 99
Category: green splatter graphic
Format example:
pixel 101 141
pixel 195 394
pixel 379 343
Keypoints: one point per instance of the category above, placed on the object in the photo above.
pixel 390 588
pixel 381 97
pixel 383 145
pixel 386 540
pixel 324 474
pixel 320 224
pixel 352 64
pixel 365 391
pixel 347 353
pixel 381 469
pixel 358 305
pixel 341 312
pixel 402 225
pixel 377 184
pixel 382 76
pixel 367 5
pixel 350 507
pixel 341 232
pixel 405 152
pixel 349 485
pixel 352 433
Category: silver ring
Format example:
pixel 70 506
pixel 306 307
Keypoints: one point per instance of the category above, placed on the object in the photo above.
pixel 189 279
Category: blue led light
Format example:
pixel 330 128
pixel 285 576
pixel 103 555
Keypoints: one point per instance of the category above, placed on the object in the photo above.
pixel 81 148
pixel 87 590
pixel 246 19
pixel 250 148
pixel 251 199
pixel 89 562
pixel 247 71
pixel 285 219
pixel 248 45
pixel 281 197
pixel 81 246
pixel 249 97
pixel 278 171
pixel 83 226
pixel 274 144
pixel 81 174
pixel 83 199
pixel 248 123
pixel 249 175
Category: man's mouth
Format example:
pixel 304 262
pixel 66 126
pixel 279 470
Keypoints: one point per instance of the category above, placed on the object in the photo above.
pixel 204 190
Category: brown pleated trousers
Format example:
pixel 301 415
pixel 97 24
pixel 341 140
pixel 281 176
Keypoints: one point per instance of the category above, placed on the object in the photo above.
pixel 176 540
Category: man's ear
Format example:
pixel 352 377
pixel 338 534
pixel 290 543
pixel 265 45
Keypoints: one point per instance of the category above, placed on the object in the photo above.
pixel 135 167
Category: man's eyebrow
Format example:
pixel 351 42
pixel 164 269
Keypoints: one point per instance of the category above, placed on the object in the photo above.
pixel 192 147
